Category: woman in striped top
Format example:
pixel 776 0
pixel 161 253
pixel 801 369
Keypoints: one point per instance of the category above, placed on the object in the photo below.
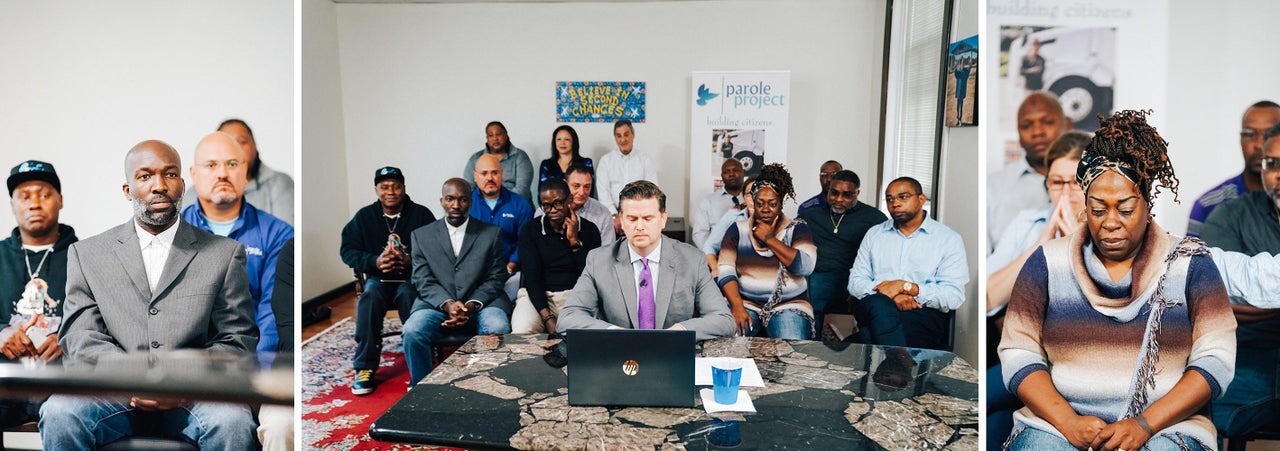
pixel 1118 335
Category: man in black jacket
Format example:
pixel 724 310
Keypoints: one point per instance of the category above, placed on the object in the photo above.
pixel 376 243
pixel 33 265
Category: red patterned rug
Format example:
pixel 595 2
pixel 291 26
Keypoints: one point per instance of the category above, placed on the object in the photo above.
pixel 332 417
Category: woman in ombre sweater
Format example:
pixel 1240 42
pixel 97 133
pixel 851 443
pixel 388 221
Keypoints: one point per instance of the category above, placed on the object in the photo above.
pixel 1118 335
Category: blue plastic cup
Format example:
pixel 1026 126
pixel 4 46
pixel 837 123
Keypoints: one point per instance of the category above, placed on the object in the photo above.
pixel 725 378
pixel 724 433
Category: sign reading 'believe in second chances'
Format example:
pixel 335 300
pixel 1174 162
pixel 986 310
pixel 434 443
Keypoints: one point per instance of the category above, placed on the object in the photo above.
pixel 600 101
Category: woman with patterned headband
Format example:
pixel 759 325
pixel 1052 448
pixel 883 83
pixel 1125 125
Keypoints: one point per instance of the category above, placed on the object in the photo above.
pixel 764 260
pixel 1118 335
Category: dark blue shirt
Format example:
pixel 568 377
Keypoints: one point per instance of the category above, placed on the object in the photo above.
pixel 509 214
pixel 263 236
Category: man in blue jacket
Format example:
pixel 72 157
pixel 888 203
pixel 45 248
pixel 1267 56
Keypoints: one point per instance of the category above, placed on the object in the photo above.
pixel 220 174
pixel 497 205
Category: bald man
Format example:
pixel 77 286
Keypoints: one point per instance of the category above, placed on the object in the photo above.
pixel 220 174
pixel 1020 185
pixel 150 286
pixel 457 276
pixel 493 203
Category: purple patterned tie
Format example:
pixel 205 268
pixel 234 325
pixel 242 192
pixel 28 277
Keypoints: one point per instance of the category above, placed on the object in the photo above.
pixel 646 296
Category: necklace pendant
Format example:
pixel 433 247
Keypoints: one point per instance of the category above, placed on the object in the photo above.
pixel 835 230
pixel 33 297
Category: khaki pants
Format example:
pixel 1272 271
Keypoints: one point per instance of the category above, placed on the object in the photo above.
pixel 526 320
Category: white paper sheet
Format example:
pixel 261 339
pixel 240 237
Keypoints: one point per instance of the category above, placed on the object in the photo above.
pixel 709 402
pixel 750 373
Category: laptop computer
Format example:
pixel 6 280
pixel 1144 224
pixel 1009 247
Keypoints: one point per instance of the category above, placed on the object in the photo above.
pixel 613 367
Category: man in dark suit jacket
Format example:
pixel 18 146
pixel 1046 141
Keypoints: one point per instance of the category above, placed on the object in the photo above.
pixel 612 288
pixel 458 269
pixel 152 285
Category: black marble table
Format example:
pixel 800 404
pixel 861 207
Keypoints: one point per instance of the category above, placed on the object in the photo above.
pixel 510 392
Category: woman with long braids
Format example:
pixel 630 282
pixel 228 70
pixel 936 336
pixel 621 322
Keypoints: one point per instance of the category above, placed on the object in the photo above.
pixel 1118 335
pixel 763 262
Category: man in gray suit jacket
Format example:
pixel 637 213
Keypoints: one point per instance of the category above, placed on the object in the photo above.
pixel 617 289
pixel 458 269
pixel 152 285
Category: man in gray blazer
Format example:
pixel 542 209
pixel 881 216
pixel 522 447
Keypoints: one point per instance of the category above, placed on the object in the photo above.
pixel 152 285
pixel 458 269
pixel 617 289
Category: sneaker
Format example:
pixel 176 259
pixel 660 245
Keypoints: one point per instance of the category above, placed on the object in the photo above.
pixel 363 384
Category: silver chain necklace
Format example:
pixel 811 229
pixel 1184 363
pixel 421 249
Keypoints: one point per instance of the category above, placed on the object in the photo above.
pixel 391 227
pixel 27 260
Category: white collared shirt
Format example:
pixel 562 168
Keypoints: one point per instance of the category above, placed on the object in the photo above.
pixel 155 250
pixel 654 258
pixel 616 170
pixel 456 234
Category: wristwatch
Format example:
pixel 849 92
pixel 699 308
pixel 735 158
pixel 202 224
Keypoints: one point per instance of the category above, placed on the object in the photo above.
pixel 906 287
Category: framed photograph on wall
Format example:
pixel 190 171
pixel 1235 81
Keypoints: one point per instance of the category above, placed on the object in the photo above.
pixel 962 83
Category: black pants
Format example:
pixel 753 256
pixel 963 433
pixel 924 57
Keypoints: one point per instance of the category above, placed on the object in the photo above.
pixel 371 308
pixel 880 322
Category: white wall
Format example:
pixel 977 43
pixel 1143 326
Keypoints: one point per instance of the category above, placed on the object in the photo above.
pixel 419 81
pixel 82 81
pixel 324 168
pixel 958 196
pixel 1221 60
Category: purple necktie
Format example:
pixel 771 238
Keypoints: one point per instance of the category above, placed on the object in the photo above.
pixel 646 296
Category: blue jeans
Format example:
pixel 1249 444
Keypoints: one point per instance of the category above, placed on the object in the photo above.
pixel 76 423
pixel 881 323
pixel 423 328
pixel 371 308
pixel 827 291
pixel 1000 407
pixel 785 324
pixel 1034 439
pixel 1250 400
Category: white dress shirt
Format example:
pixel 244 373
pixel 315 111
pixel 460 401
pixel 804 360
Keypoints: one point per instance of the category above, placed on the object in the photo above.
pixel 616 170
pixel 456 234
pixel 1010 190
pixel 155 250
pixel 710 210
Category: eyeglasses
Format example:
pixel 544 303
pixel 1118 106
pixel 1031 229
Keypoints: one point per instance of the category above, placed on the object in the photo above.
pixel 826 174
pixel 549 205
pixel 902 197
pixel 1271 164
pixel 212 165
pixel 1063 184
pixel 1251 134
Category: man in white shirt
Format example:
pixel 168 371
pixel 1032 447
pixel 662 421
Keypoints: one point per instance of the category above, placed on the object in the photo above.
pixel 718 202
pixel 620 167
pixel 1020 184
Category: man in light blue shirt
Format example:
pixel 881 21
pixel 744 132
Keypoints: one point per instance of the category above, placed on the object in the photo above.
pixel 909 275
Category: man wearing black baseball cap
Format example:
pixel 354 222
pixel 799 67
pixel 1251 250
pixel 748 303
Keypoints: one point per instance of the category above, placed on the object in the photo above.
pixel 33 273
pixel 375 243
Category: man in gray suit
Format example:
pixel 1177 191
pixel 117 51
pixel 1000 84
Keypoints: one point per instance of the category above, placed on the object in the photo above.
pixel 152 285
pixel 686 297
pixel 458 270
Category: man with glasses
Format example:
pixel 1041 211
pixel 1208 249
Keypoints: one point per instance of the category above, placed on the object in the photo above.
pixel 909 274
pixel 721 200
pixel 220 175
pixel 1259 117
pixel 838 229
pixel 555 252
pixel 1250 225
pixel 828 169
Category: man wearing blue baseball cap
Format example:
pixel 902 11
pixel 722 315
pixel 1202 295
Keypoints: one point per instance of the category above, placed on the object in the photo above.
pixel 376 243
pixel 33 274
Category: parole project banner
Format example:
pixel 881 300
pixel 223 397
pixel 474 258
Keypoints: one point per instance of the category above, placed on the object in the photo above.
pixel 600 101
pixel 741 115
